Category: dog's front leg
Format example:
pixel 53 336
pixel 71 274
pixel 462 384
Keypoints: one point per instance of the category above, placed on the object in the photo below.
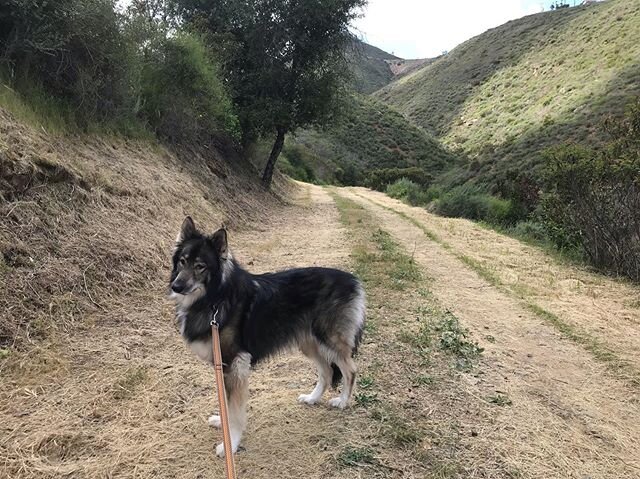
pixel 237 388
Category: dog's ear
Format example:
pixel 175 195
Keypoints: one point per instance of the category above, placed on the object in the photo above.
pixel 219 240
pixel 187 231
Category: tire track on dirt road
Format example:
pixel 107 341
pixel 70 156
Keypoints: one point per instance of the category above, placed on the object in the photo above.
pixel 568 417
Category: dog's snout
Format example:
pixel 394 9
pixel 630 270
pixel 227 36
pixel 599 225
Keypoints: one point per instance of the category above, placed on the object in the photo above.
pixel 178 287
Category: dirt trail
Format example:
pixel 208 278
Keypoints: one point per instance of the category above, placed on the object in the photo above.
pixel 606 308
pixel 568 417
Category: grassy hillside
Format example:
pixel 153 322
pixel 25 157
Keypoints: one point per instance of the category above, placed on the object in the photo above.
pixel 369 66
pixel 506 95
pixel 370 135
pixel 88 222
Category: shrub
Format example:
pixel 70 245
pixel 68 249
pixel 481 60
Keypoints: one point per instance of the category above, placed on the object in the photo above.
pixel 592 198
pixel 350 175
pixel 531 230
pixel 400 188
pixel 72 49
pixel 406 190
pixel 381 178
pixel 470 202
pixel 433 193
pixel 183 97
pixel 295 172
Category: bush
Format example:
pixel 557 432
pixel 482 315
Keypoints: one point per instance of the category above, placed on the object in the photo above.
pixel 183 97
pixel 592 198
pixel 296 162
pixel 530 230
pixel 381 178
pixel 350 175
pixel 400 188
pixel 295 172
pixel 74 50
pixel 433 193
pixel 406 190
pixel 470 202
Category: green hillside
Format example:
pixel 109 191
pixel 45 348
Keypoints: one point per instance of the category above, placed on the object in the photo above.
pixel 369 66
pixel 506 95
pixel 370 135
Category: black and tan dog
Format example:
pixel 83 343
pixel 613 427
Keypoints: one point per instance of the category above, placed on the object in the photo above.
pixel 321 311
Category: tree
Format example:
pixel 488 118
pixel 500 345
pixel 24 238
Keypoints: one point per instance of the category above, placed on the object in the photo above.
pixel 284 59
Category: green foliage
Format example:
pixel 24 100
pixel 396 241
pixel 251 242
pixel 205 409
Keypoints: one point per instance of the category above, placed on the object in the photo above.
pixel 296 163
pixel 76 64
pixel 369 66
pixel 288 65
pixel 453 339
pixel 72 50
pixel 366 399
pixel 370 136
pixel 400 188
pixel 592 197
pixel 356 457
pixel 350 175
pixel 531 230
pixel 380 179
pixel 408 191
pixel 471 202
pixel 183 97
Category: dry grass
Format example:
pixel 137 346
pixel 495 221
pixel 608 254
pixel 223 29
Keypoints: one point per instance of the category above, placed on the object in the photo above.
pixel 586 307
pixel 556 410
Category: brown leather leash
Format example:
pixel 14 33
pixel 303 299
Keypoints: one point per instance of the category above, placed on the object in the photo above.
pixel 230 468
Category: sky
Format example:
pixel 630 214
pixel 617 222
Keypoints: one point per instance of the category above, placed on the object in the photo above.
pixel 426 28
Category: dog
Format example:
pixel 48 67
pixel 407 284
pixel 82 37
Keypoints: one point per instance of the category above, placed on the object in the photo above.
pixel 320 311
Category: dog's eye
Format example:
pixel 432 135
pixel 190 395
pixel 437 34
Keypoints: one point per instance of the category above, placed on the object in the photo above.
pixel 200 267
pixel 182 261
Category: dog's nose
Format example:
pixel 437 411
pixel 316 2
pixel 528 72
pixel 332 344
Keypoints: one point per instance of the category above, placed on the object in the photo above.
pixel 177 287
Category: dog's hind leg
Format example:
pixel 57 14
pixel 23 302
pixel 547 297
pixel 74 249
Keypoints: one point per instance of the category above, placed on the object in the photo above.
pixel 237 386
pixel 348 368
pixel 311 350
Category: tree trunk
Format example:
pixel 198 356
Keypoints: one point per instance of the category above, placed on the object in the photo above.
pixel 273 157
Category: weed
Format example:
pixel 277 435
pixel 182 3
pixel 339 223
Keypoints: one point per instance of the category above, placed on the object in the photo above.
pixel 365 382
pixel 423 380
pixel 453 339
pixel 366 399
pixel 500 400
pixel 356 457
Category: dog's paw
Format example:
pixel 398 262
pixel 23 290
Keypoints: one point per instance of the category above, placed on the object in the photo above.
pixel 220 450
pixel 214 421
pixel 307 399
pixel 337 403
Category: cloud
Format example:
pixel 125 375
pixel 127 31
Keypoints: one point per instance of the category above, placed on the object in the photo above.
pixel 424 28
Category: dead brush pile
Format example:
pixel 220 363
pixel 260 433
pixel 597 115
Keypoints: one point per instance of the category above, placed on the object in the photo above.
pixel 87 222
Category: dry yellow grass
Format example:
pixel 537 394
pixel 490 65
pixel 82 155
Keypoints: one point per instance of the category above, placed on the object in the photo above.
pixel 569 417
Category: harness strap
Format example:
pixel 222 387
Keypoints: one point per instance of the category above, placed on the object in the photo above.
pixel 230 468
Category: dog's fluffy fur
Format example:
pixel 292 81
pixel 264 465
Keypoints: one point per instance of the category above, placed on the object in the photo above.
pixel 321 311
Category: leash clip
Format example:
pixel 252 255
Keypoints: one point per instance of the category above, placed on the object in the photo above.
pixel 214 320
